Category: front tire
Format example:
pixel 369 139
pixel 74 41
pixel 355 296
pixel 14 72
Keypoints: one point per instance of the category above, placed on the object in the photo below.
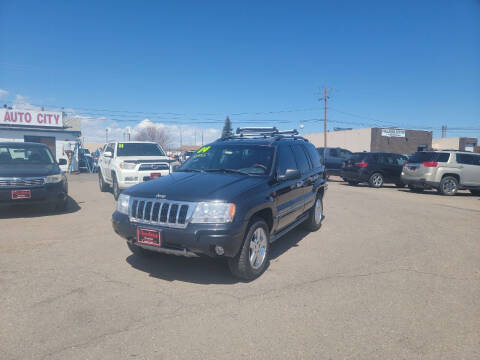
pixel 315 216
pixel 449 186
pixel 116 190
pixel 376 180
pixel 252 259
pixel 101 183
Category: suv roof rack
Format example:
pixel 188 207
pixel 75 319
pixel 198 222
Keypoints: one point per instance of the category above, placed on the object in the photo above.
pixel 263 132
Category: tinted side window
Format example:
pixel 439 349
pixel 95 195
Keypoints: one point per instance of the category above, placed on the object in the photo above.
pixel 313 153
pixel 301 158
pixel 321 151
pixel 400 160
pixel 345 154
pixel 468 159
pixel 285 159
pixel 333 153
pixel 443 157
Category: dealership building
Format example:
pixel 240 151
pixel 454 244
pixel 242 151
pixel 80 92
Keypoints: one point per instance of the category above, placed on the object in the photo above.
pixel 51 128
pixel 399 141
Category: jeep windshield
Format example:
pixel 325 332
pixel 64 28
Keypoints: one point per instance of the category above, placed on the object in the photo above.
pixel 139 149
pixel 243 159
pixel 25 154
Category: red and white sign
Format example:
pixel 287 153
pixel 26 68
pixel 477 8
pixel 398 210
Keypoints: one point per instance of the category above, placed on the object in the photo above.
pixel 31 118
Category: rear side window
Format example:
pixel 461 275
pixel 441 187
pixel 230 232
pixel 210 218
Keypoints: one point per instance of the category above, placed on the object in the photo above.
pixel 468 159
pixel 313 153
pixel 359 157
pixel 301 158
pixel 321 151
pixel 285 159
pixel 420 157
pixel 334 153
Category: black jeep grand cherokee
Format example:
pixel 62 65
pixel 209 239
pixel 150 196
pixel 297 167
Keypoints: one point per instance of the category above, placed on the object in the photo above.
pixel 231 199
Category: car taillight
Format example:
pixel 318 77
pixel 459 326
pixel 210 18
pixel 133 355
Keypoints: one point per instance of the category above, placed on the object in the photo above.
pixel 430 163
pixel 362 164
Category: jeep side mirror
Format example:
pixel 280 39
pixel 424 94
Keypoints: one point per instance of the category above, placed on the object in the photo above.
pixel 289 174
pixel 62 161
pixel 108 154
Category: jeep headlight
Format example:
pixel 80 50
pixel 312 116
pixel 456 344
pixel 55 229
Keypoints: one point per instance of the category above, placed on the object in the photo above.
pixel 53 179
pixel 123 203
pixel 213 213
pixel 127 165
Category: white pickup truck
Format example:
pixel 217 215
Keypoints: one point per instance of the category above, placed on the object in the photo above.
pixel 123 164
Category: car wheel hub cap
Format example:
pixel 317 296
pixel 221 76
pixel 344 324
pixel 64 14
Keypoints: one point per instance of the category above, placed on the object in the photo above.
pixel 258 248
pixel 449 186
pixel 318 211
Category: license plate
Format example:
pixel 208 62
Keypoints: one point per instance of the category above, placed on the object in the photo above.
pixel 149 237
pixel 155 175
pixel 21 194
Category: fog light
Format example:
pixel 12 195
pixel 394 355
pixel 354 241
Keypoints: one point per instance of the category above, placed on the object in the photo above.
pixel 219 250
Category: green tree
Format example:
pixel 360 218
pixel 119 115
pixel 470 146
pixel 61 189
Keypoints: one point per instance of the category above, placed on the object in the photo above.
pixel 227 128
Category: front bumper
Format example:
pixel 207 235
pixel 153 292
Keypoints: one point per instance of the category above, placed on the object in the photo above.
pixel 48 193
pixel 129 178
pixel 198 239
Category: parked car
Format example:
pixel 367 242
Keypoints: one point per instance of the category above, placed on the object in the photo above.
pixel 374 168
pixel 85 160
pixel 29 174
pixel 445 171
pixel 231 199
pixel 334 159
pixel 124 164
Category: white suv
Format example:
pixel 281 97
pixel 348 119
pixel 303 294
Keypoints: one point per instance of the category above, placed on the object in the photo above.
pixel 123 164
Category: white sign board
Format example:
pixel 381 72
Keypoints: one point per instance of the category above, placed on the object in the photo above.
pixel 393 132
pixel 31 118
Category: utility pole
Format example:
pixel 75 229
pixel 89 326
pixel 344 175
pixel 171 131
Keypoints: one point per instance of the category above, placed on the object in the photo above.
pixel 106 135
pixel 325 117
pixel 180 136
pixel 202 137
pixel 444 131
pixel 324 98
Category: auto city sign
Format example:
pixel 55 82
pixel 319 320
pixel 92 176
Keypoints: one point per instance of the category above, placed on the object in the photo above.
pixel 31 118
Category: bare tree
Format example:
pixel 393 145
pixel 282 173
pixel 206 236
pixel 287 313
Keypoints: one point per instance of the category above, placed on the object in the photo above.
pixel 151 133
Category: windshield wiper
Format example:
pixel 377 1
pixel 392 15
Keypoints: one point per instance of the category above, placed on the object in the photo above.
pixel 233 171
pixel 190 170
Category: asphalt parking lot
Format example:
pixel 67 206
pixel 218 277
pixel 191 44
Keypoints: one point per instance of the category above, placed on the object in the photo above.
pixel 390 275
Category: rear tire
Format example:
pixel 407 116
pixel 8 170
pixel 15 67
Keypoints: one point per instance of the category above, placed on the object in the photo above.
pixel 252 259
pixel 315 215
pixel 376 180
pixel 101 183
pixel 475 192
pixel 449 186
pixel 115 188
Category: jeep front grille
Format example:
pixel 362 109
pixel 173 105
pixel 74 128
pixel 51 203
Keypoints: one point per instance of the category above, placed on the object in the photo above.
pixel 161 212
pixel 21 182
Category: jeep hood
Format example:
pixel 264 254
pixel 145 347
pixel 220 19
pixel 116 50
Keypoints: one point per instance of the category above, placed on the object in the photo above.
pixel 188 186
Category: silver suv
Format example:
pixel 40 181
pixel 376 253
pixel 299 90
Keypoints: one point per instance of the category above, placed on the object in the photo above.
pixel 446 171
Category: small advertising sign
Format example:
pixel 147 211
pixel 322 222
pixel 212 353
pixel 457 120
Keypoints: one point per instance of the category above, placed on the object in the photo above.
pixel 393 132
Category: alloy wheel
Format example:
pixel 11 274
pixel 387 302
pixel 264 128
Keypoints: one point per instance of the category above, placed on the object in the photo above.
pixel 318 211
pixel 258 248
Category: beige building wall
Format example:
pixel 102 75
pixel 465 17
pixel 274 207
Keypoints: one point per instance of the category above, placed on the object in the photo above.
pixel 446 144
pixel 355 140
